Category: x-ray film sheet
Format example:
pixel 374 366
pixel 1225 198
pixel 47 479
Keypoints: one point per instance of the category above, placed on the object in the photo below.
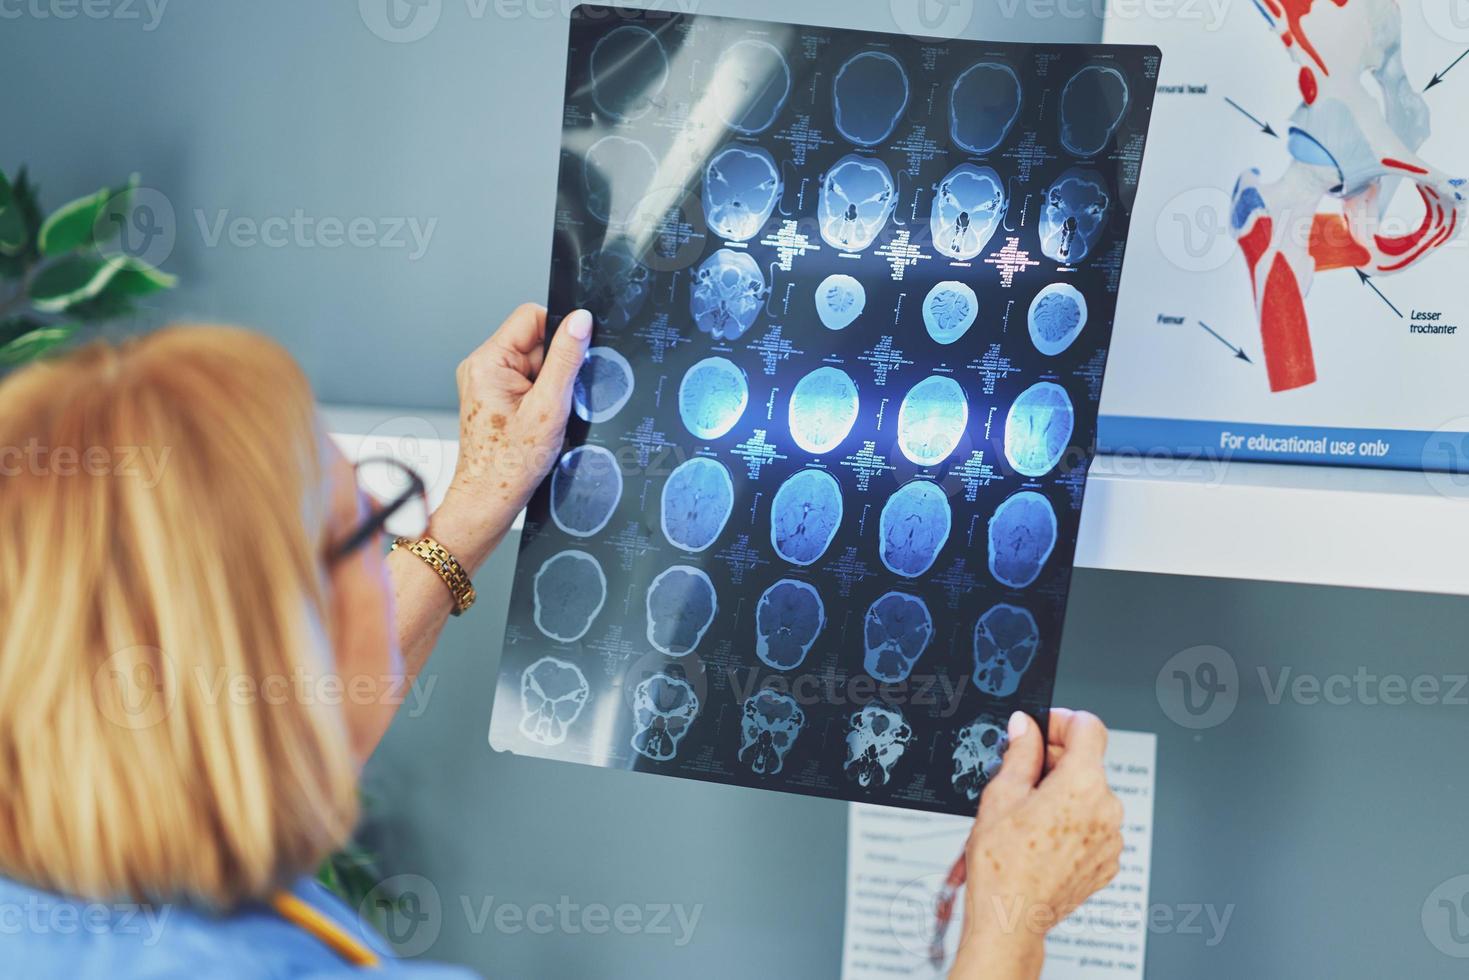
pixel 814 527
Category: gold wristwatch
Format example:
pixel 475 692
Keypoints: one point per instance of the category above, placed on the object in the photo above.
pixel 437 557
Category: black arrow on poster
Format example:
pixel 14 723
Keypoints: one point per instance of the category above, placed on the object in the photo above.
pixel 1438 76
pixel 1238 351
pixel 1264 126
pixel 1367 281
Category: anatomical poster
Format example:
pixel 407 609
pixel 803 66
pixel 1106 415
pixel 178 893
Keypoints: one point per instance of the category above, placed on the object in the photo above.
pixel 813 530
pixel 1297 263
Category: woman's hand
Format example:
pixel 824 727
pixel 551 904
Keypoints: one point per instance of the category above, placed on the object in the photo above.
pixel 1040 846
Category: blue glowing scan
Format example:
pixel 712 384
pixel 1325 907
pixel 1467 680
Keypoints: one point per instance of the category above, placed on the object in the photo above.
pixel 968 206
pixel 613 285
pixel 663 708
pixel 568 590
pixel 931 420
pixel 805 515
pixel 1073 216
pixel 978 749
pixel 681 605
pixel 618 172
pixel 604 383
pixel 769 724
pixel 868 96
pixel 983 104
pixel 1038 428
pixel 586 486
pixel 877 736
pixel 552 695
pixel 823 409
pixel 712 397
pixel 750 85
pixel 913 528
pixel 1057 316
pixel 1022 534
pixel 949 310
pixel 1005 642
pixel 727 293
pixel 840 299
pixel 788 618
pixel 895 633
pixel 698 498
pixel 857 196
pixel 1092 106
pixel 741 188
pixel 629 69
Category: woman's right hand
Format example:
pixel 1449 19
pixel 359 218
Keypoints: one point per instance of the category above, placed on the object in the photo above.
pixel 1041 845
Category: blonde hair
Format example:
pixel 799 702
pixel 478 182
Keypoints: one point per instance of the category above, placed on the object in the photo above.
pixel 161 532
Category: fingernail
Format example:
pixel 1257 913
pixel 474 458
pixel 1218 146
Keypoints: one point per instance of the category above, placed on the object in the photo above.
pixel 579 324
pixel 1019 723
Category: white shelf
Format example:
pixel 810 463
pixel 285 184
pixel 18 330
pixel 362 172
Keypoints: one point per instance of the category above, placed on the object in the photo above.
pixel 1379 529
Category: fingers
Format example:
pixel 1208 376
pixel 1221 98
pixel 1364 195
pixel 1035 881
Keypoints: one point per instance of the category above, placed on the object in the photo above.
pixel 564 359
pixel 1020 769
pixel 524 331
pixel 1082 738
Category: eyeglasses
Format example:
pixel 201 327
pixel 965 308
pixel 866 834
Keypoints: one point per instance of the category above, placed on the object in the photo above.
pixel 397 503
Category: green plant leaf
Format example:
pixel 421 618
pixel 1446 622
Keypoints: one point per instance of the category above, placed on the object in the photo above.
pixel 29 346
pixel 72 280
pixel 20 223
pixel 4 191
pixel 15 326
pixel 70 226
pixel 113 214
pixel 133 279
pixel 12 231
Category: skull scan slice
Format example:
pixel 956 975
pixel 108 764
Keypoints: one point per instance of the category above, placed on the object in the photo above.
pixel 1022 534
pixel 788 618
pixel 604 383
pixel 805 515
pixel 741 189
pixel 712 397
pixel 869 94
pixel 983 106
pixel 552 695
pixel 586 486
pixel 681 605
pixel 617 172
pixel 968 206
pixel 913 528
pixel 896 631
pixel 663 708
pixel 769 723
pixel 1056 318
pixel 931 420
pixel 978 750
pixel 629 69
pixel 823 409
pixel 1074 213
pixel 750 85
pixel 876 739
pixel 949 310
pixel 1005 642
pixel 613 285
pixel 727 293
pixel 568 590
pixel 1092 106
pixel 857 195
pixel 1038 428
pixel 698 498
pixel 840 299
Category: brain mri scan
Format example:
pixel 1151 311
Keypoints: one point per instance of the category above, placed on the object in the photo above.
pixel 770 722
pixel 1022 535
pixel 697 502
pixel 949 310
pixel 1005 642
pixel 618 172
pixel 712 397
pixel 1056 318
pixel 612 284
pixel 788 618
pixel 728 291
pixel 570 588
pixel 856 199
pixel 914 527
pixel 552 694
pixel 681 607
pixel 978 750
pixel 629 69
pixel 1073 216
pixel 1038 428
pixel 869 96
pixel 1093 104
pixel 663 708
pixel 603 385
pixel 895 633
pixel 840 300
pixel 804 516
pixel 877 736
pixel 983 106
pixel 968 206
pixel 741 189
pixel 823 409
pixel 931 420
pixel 751 84
pixel 586 487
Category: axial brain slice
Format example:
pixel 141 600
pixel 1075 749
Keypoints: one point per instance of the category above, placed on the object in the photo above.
pixel 629 69
pixel 1057 316
pixel 712 397
pixel 617 171
pixel 931 420
pixel 768 729
pixel 1022 536
pixel 978 750
pixel 663 708
pixel 613 285
pixel 869 95
pixel 788 618
pixel 681 604
pixel 552 695
pixel 741 188
pixel 949 310
pixel 1092 105
pixel 913 528
pixel 840 299
pixel 895 633
pixel 1071 220
pixel 750 86
pixel 968 206
pixel 603 385
pixel 568 590
pixel 983 105
pixel 805 515
pixel 1038 428
pixel 697 502
pixel 876 739
pixel 856 197
pixel 823 409
pixel 1005 641
pixel 727 294
pixel 586 486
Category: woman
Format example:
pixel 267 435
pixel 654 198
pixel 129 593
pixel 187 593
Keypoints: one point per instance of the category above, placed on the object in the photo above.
pixel 197 656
